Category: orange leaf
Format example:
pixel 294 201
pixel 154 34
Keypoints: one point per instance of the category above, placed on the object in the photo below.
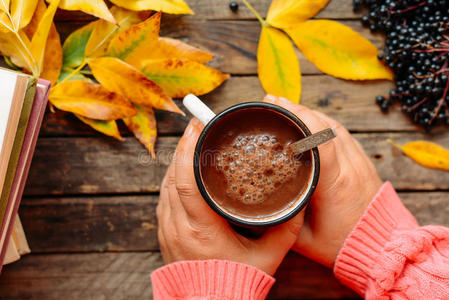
pixel 278 65
pixel 179 77
pixel 122 78
pixel 338 50
pixel 135 42
pixel 90 100
pixel 288 13
pixel 143 125
pixel 171 48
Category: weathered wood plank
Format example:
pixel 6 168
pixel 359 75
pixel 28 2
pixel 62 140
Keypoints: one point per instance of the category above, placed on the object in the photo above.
pixel 219 9
pixel 102 165
pixel 351 103
pixel 117 276
pixel 126 276
pixel 128 223
pixel 90 224
pixel 234 43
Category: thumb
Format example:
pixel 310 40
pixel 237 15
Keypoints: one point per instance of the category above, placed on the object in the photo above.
pixel 280 239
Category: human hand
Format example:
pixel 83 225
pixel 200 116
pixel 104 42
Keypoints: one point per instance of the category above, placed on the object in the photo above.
pixel 348 181
pixel 190 230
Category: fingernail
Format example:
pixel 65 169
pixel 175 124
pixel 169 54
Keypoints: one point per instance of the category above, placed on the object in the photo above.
pixel 270 98
pixel 197 123
pixel 189 129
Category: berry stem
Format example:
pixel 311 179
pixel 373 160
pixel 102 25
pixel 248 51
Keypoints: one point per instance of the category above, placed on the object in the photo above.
pixel 409 8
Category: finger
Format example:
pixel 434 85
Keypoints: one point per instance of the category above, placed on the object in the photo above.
pixel 186 186
pixel 279 239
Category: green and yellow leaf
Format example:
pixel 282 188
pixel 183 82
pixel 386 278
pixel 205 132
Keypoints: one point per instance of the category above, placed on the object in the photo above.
pixel 288 13
pixel 167 6
pixel 143 125
pixel 39 40
pixel 102 34
pixel 104 31
pixel 74 47
pixel 11 46
pixel 22 11
pixel 96 8
pixel 53 49
pixel 135 42
pixel 427 154
pixel 122 78
pixel 338 50
pixel 106 127
pixel 278 65
pixel 90 100
pixel 179 77
pixel 65 72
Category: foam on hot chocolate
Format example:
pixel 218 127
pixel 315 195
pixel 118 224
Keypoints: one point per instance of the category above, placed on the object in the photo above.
pixel 254 166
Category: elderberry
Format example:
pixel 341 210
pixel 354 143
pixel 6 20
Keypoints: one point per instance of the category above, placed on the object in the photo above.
pixel 417 50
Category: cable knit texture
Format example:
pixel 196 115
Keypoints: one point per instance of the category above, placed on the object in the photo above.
pixel 210 280
pixel 388 256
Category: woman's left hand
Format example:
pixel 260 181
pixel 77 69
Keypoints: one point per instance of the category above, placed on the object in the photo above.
pixel 190 230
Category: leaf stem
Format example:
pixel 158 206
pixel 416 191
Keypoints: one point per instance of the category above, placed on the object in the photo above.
pixel 255 13
pixel 73 73
pixel 394 144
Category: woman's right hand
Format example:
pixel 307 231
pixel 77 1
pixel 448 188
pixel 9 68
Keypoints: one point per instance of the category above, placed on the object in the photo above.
pixel 348 182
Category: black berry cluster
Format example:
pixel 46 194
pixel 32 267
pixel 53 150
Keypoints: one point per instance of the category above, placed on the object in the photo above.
pixel 417 50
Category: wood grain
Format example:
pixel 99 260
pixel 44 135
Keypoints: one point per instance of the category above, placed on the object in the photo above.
pixel 121 276
pixel 351 103
pixel 102 165
pixel 219 9
pixel 234 43
pixel 128 223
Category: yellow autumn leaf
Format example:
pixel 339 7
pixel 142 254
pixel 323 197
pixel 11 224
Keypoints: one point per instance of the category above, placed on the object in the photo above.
pixel 143 125
pixel 39 39
pixel 427 154
pixel 53 49
pixel 90 100
pixel 106 127
pixel 338 50
pixel 5 23
pixel 288 13
pixel 134 43
pixel 11 46
pixel 126 18
pixel 278 65
pixel 104 31
pixel 167 6
pixel 4 5
pixel 96 8
pixel 179 77
pixel 22 11
pixel 122 78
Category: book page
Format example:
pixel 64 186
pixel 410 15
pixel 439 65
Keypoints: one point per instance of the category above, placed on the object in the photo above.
pixel 7 88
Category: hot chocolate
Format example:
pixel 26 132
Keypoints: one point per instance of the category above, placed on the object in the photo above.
pixel 247 166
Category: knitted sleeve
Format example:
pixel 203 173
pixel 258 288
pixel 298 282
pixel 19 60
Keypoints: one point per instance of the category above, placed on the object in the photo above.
pixel 388 256
pixel 210 280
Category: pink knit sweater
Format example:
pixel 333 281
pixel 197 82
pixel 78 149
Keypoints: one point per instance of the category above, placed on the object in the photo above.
pixel 386 256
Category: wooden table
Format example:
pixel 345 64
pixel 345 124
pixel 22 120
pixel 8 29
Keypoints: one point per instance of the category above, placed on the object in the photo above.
pixel 89 206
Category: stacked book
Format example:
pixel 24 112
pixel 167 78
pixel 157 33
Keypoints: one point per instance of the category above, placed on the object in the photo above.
pixel 22 106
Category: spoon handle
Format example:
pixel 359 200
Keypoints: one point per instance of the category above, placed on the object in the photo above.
pixel 313 140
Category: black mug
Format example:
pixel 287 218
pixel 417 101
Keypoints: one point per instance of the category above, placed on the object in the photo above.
pixel 249 226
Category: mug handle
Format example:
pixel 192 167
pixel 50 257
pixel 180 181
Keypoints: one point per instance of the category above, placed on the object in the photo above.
pixel 198 109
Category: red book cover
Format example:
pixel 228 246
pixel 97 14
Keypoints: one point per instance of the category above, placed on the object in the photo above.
pixel 26 154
